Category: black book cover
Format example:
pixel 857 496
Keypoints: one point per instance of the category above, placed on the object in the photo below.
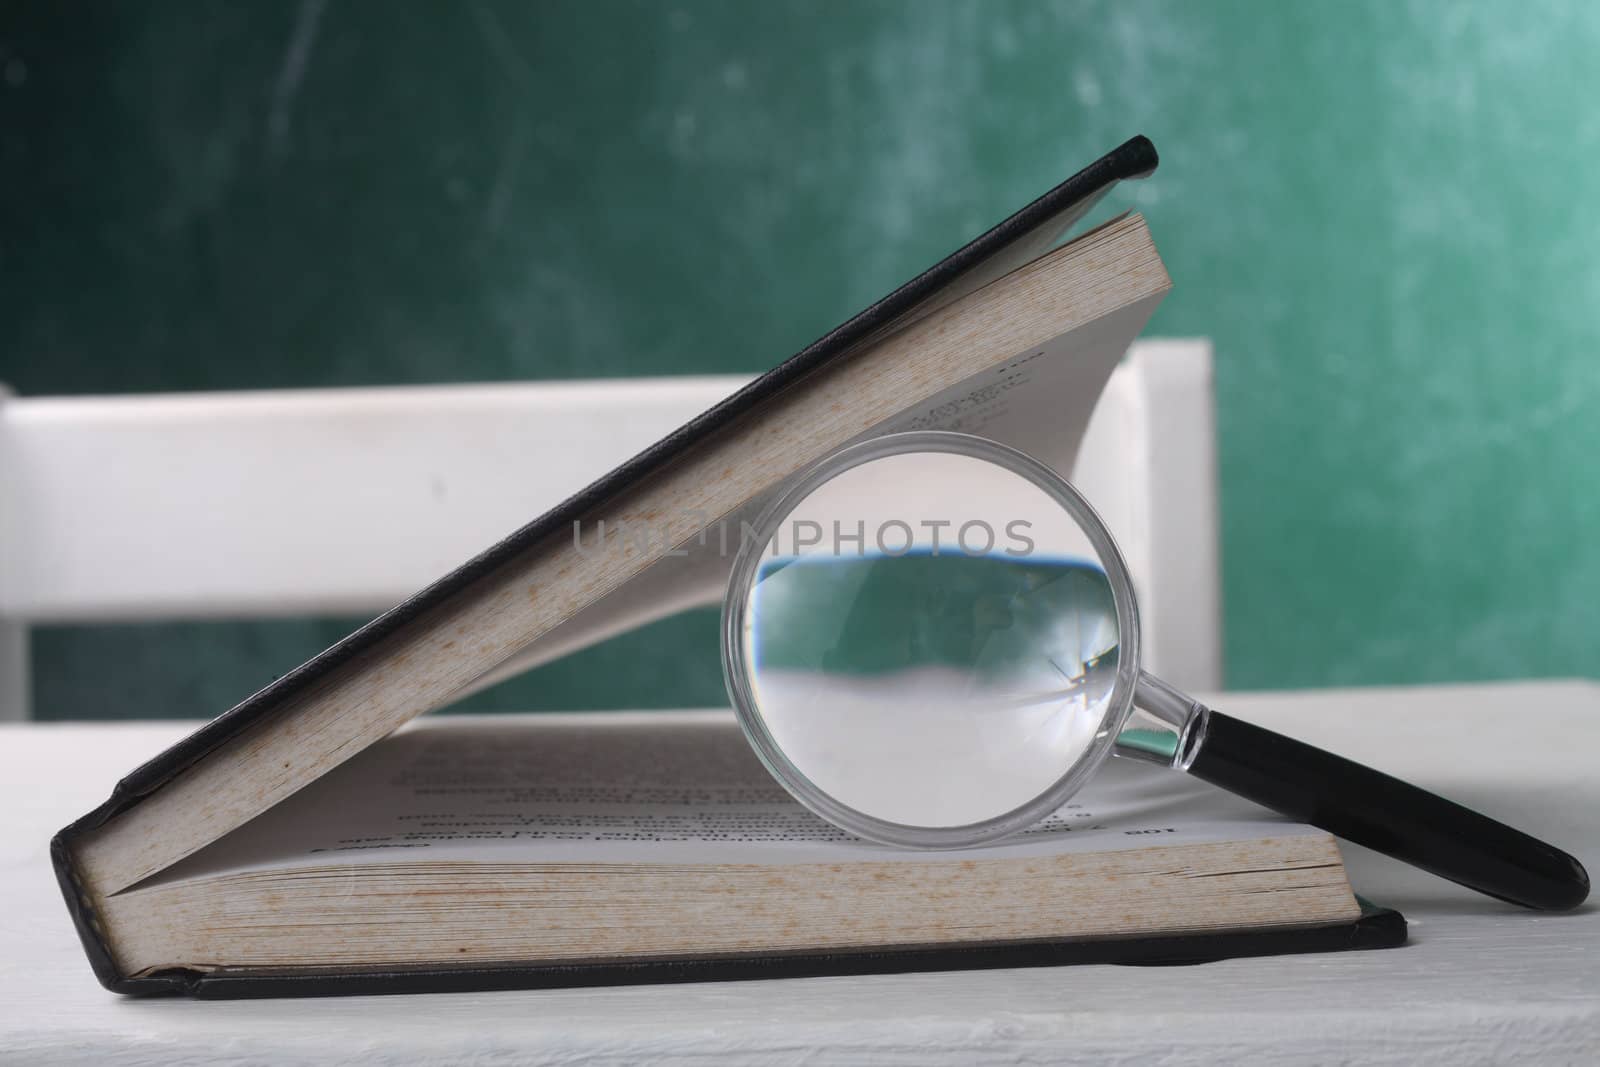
pixel 1376 928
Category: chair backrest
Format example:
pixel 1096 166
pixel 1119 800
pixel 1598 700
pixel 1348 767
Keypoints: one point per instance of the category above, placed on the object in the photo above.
pixel 300 502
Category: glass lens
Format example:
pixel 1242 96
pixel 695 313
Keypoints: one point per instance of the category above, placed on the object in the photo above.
pixel 930 639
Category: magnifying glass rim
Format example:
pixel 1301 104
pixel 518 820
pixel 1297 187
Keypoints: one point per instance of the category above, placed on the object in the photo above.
pixel 737 673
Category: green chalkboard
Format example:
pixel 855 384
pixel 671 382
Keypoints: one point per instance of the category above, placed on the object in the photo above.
pixel 1383 213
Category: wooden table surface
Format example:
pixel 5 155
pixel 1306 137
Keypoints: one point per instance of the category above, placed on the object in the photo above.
pixel 1480 981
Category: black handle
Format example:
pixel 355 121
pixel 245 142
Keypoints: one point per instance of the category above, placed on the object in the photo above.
pixel 1386 814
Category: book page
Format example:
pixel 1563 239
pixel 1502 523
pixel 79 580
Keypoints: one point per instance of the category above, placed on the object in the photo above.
pixel 680 788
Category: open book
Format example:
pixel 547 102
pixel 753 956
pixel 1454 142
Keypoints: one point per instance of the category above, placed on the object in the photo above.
pixel 1009 336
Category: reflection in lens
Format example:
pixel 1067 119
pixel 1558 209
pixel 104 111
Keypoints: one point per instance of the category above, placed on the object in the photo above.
pixel 932 688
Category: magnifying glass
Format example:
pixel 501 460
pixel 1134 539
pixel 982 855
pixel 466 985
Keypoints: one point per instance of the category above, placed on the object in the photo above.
pixel 931 640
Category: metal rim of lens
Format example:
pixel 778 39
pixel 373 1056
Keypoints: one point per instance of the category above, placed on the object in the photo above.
pixel 736 668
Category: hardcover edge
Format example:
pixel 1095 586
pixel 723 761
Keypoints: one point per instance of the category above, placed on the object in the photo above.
pixel 1135 158
pixel 1375 928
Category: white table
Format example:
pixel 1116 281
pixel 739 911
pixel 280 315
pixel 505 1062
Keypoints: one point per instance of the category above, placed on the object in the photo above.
pixel 1480 982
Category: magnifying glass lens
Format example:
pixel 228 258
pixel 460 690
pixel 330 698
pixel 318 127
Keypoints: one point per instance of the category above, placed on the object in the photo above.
pixel 928 640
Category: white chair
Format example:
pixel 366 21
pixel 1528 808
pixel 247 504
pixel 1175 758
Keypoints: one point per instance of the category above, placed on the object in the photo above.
pixel 301 502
